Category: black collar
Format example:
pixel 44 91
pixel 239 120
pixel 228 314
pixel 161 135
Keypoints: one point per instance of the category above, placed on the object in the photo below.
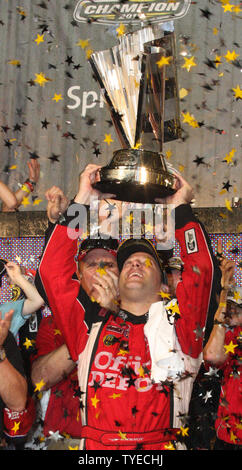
pixel 135 319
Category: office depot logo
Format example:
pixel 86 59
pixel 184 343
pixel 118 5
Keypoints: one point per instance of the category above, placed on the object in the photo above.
pixel 129 11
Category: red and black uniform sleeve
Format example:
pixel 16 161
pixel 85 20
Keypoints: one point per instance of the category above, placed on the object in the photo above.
pixel 62 288
pixel 194 291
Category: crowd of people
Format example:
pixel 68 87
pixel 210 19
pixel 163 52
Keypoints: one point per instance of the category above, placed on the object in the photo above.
pixel 131 337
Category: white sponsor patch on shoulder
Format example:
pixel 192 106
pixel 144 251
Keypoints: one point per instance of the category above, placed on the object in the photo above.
pixel 191 241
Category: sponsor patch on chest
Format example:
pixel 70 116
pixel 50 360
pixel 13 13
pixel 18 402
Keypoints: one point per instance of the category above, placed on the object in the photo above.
pixel 191 241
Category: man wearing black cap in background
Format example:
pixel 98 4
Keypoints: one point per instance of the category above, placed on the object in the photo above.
pixel 128 363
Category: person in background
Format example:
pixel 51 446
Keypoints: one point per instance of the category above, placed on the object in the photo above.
pixel 17 411
pixel 26 306
pixel 223 351
pixel 12 201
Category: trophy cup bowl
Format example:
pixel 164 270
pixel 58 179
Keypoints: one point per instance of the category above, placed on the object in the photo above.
pixel 142 98
pixel 136 175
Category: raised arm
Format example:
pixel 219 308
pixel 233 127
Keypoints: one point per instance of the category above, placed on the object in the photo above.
pixel 194 290
pixel 13 386
pixel 214 351
pixel 8 197
pixel 33 300
pixel 58 265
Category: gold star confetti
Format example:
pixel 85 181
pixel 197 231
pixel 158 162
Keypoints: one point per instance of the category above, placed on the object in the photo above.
pixel 14 62
pixel 123 435
pixel 231 56
pixel 236 296
pixel 89 52
pixel 39 385
pixel 28 343
pixel 228 205
pixel 15 427
pixel 37 202
pixel 122 352
pixel 141 371
pixel 229 156
pixel 108 139
pixel 164 61
pixel 227 7
pixel 164 295
pixel 83 43
pixel 189 119
pixel 236 9
pixel 41 79
pixel 121 29
pixel 175 309
pixel 115 395
pixel 189 63
pixel 168 154
pixel 183 93
pixel 95 401
pixel 57 332
pixel 183 431
pixel 25 201
pixel 39 39
pixel 57 98
pixel 169 446
pixel 218 60
pixel 148 228
pixel 101 271
pixel 148 262
pixel 237 92
pixel 230 347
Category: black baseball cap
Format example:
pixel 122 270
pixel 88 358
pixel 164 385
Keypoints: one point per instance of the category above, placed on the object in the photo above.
pixel 2 269
pixel 109 244
pixel 132 245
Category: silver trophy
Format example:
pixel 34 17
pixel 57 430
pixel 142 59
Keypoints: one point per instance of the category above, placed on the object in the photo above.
pixel 139 83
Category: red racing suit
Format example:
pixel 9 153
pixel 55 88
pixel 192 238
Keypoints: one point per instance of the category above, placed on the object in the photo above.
pixel 121 407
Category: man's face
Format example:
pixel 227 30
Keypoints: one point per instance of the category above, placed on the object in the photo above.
pixel 140 277
pixel 94 261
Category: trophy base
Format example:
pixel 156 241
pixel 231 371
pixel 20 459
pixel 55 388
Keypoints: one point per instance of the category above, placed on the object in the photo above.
pixel 136 175
pixel 134 192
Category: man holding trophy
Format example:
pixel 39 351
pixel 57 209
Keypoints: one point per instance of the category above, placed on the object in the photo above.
pixel 135 367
